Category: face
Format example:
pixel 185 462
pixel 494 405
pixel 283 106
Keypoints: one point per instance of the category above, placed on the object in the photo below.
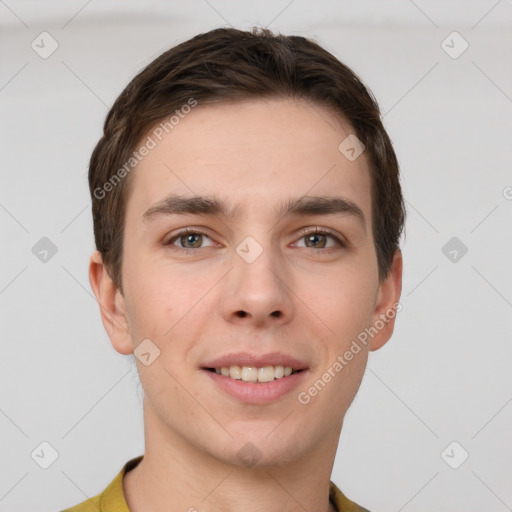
pixel 277 268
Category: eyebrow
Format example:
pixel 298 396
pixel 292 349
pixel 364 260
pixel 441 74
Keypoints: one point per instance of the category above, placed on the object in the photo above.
pixel 208 205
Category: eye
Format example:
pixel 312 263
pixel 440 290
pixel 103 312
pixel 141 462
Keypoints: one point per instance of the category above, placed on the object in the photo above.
pixel 193 239
pixel 189 239
pixel 318 239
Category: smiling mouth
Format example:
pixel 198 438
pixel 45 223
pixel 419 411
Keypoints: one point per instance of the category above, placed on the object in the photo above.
pixel 255 374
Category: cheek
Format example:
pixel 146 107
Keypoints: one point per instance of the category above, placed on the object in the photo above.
pixel 152 302
pixel 346 302
pixel 164 301
pixel 347 305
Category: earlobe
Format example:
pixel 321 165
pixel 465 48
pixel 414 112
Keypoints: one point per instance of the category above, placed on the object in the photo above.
pixel 111 303
pixel 388 304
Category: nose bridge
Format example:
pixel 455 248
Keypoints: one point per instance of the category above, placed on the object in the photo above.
pixel 256 285
pixel 256 265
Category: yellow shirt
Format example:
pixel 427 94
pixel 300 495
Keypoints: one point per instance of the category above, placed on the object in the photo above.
pixel 112 498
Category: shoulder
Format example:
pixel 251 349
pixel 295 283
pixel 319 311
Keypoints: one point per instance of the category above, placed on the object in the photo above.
pixel 112 498
pixel 90 505
pixel 341 502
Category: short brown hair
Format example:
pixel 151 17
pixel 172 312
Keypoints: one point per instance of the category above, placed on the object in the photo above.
pixel 228 65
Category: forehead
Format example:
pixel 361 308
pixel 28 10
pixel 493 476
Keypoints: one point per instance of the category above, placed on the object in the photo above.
pixel 253 154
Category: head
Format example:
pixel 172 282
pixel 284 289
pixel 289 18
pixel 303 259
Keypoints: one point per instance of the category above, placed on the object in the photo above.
pixel 272 154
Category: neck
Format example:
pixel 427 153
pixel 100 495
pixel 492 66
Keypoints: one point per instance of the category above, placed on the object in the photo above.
pixel 176 476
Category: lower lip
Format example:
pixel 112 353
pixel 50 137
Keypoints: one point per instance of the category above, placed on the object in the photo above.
pixel 257 392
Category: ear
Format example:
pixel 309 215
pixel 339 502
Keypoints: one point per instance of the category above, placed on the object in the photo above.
pixel 387 305
pixel 112 305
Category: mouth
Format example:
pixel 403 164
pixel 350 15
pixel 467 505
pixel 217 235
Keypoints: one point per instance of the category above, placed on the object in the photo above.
pixel 253 378
pixel 262 374
pixel 256 385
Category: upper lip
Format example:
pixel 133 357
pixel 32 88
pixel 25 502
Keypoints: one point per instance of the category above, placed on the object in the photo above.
pixel 256 360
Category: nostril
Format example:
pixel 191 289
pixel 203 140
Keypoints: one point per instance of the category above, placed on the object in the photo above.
pixel 276 313
pixel 242 314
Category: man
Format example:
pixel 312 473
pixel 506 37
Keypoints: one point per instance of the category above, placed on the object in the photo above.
pixel 247 213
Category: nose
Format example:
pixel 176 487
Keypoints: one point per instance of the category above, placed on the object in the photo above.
pixel 256 293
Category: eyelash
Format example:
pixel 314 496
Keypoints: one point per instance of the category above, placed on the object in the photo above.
pixel 305 232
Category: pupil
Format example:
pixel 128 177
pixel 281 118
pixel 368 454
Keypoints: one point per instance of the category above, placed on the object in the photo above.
pixel 313 238
pixel 189 240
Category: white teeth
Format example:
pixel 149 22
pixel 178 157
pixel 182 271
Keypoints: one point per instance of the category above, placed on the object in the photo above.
pixel 235 372
pixel 266 374
pixel 254 374
pixel 249 374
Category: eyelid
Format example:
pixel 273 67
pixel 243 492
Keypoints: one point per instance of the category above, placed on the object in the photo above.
pixel 185 231
pixel 317 230
pixel 311 230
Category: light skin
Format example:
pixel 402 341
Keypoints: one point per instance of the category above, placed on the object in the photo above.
pixel 256 155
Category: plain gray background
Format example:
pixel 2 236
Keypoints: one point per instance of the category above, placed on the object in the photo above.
pixel 444 377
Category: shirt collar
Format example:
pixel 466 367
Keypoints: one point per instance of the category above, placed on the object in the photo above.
pixel 112 498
